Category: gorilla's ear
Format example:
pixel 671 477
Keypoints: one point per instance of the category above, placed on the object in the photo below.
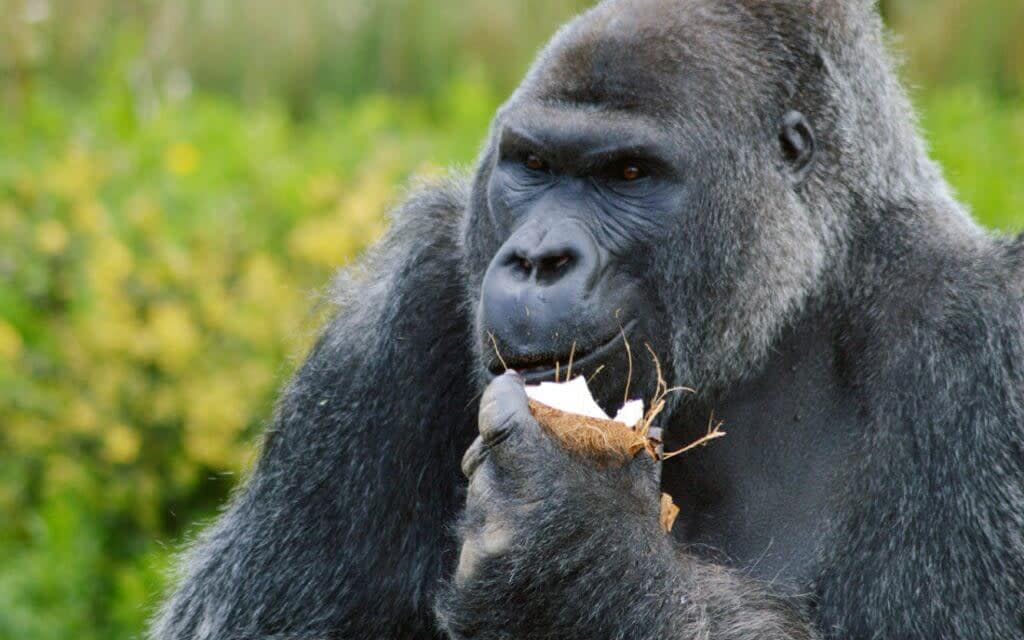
pixel 796 142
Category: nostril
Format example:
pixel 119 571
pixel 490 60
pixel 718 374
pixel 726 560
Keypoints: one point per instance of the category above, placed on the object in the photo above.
pixel 554 267
pixel 553 264
pixel 520 264
pixel 548 266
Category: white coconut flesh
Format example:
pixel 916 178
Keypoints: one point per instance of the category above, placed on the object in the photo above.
pixel 574 397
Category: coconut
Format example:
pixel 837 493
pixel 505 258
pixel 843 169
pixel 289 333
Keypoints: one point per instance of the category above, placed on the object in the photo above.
pixel 567 410
pixel 570 414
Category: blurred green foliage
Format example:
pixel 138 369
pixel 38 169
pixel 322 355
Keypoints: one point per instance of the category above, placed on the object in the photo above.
pixel 178 180
pixel 157 274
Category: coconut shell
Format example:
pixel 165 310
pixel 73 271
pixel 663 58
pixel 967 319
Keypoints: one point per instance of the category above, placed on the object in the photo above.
pixel 669 512
pixel 605 442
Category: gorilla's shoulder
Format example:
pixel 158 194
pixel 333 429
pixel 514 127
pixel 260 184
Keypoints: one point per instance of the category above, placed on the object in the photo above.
pixel 1015 256
pixel 431 211
pixel 938 280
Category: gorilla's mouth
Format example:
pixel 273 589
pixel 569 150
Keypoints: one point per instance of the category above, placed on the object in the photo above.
pixel 547 367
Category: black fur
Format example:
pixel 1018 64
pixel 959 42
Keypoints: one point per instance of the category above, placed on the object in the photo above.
pixel 343 529
pixel 858 333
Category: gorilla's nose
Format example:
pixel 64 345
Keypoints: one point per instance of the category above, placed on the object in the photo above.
pixel 537 291
pixel 546 265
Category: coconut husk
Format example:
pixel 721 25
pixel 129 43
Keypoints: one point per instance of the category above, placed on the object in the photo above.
pixel 606 443
pixel 669 513
pixel 609 443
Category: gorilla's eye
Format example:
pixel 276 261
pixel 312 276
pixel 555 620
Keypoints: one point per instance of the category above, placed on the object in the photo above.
pixel 534 163
pixel 632 172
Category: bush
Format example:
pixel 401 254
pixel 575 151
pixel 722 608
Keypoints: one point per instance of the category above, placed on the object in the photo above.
pixel 979 141
pixel 157 279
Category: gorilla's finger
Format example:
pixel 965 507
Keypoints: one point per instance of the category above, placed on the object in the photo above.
pixel 473 457
pixel 503 409
pixel 647 472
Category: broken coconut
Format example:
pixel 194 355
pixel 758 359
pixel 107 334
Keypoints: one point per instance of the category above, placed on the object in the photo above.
pixel 570 414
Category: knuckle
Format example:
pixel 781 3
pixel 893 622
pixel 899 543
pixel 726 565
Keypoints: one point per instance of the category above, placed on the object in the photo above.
pixel 498 429
pixel 489 540
pixel 473 457
pixel 469 559
pixel 503 406
pixel 481 492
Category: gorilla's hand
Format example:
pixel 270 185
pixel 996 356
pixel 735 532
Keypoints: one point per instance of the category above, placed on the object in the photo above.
pixel 523 484
pixel 555 547
pixel 541 520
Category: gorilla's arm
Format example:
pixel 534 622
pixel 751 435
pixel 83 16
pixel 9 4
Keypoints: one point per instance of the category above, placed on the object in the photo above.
pixel 342 529
pixel 554 547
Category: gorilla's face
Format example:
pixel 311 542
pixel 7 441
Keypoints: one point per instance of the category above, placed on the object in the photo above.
pixel 579 199
pixel 639 201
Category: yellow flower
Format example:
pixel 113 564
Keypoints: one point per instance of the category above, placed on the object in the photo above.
pixel 216 413
pixel 358 220
pixel 164 403
pixel 182 159
pixel 321 191
pixel 52 238
pixel 107 381
pixel 214 304
pixel 261 280
pixel 111 263
pixel 89 216
pixel 256 378
pixel 175 263
pixel 207 448
pixel 176 339
pixel 75 176
pixel 10 342
pixel 81 417
pixel 121 444
pixel 325 242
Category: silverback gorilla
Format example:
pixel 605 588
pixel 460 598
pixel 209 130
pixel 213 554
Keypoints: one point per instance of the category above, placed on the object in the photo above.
pixel 738 184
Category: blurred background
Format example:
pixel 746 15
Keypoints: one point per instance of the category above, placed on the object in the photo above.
pixel 178 180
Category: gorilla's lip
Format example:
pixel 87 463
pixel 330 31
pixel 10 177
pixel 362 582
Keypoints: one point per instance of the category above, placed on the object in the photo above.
pixel 546 367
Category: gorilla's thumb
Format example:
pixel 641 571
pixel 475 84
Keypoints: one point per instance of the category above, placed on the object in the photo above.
pixel 503 408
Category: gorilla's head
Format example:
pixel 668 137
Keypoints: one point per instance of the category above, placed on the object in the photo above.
pixel 675 173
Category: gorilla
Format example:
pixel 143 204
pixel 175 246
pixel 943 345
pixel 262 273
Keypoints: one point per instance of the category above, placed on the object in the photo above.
pixel 740 186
